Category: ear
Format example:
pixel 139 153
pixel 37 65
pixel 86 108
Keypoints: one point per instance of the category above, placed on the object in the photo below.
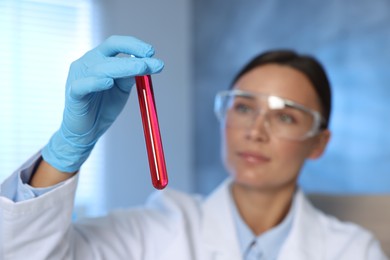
pixel 320 144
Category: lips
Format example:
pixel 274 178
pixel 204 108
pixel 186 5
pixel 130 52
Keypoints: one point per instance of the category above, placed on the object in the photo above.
pixel 253 157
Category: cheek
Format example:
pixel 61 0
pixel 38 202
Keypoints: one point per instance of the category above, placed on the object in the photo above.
pixel 229 138
pixel 292 153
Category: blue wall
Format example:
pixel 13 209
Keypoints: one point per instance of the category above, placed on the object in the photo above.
pixel 351 39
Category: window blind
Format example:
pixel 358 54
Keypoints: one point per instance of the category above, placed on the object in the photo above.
pixel 39 39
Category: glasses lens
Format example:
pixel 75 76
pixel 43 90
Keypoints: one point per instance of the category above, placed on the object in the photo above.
pixel 290 122
pixel 240 111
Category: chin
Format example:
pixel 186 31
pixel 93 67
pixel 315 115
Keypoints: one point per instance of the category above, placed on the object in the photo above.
pixel 250 178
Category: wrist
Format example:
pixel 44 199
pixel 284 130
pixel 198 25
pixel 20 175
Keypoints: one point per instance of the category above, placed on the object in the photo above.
pixel 46 175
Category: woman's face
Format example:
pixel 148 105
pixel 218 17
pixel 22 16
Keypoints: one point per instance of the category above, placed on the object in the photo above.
pixel 255 158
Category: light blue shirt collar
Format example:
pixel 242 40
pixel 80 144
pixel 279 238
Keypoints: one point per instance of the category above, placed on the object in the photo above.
pixel 269 243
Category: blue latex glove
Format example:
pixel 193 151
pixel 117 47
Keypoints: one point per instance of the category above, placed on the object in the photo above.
pixel 97 89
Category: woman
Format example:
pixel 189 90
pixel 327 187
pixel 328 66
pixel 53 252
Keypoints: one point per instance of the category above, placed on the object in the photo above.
pixel 272 119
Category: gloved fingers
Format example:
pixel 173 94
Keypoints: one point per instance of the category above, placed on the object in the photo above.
pixel 125 44
pixel 125 67
pixel 125 84
pixel 81 87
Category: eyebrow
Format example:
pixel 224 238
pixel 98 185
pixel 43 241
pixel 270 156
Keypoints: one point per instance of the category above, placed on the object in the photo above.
pixel 245 95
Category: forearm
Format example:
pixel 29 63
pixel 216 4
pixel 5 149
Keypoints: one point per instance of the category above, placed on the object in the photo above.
pixel 46 175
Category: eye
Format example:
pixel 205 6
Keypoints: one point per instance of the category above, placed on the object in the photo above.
pixel 286 118
pixel 242 108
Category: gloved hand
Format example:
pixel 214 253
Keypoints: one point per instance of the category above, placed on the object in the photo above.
pixel 97 89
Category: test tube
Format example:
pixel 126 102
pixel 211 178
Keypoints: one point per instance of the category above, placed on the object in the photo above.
pixel 152 134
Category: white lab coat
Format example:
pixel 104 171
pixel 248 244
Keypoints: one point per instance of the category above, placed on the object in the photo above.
pixel 172 225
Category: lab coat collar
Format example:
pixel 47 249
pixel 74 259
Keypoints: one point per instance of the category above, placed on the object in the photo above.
pixel 305 241
pixel 218 228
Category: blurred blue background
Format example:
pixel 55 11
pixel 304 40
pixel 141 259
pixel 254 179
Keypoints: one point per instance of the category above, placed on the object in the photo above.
pixel 203 43
pixel 351 39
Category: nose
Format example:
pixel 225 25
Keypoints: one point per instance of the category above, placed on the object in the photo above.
pixel 258 130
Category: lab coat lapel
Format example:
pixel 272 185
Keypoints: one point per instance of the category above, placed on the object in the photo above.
pixel 218 227
pixel 306 239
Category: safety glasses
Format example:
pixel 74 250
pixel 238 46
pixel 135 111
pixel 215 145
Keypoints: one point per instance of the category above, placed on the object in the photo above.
pixel 281 117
